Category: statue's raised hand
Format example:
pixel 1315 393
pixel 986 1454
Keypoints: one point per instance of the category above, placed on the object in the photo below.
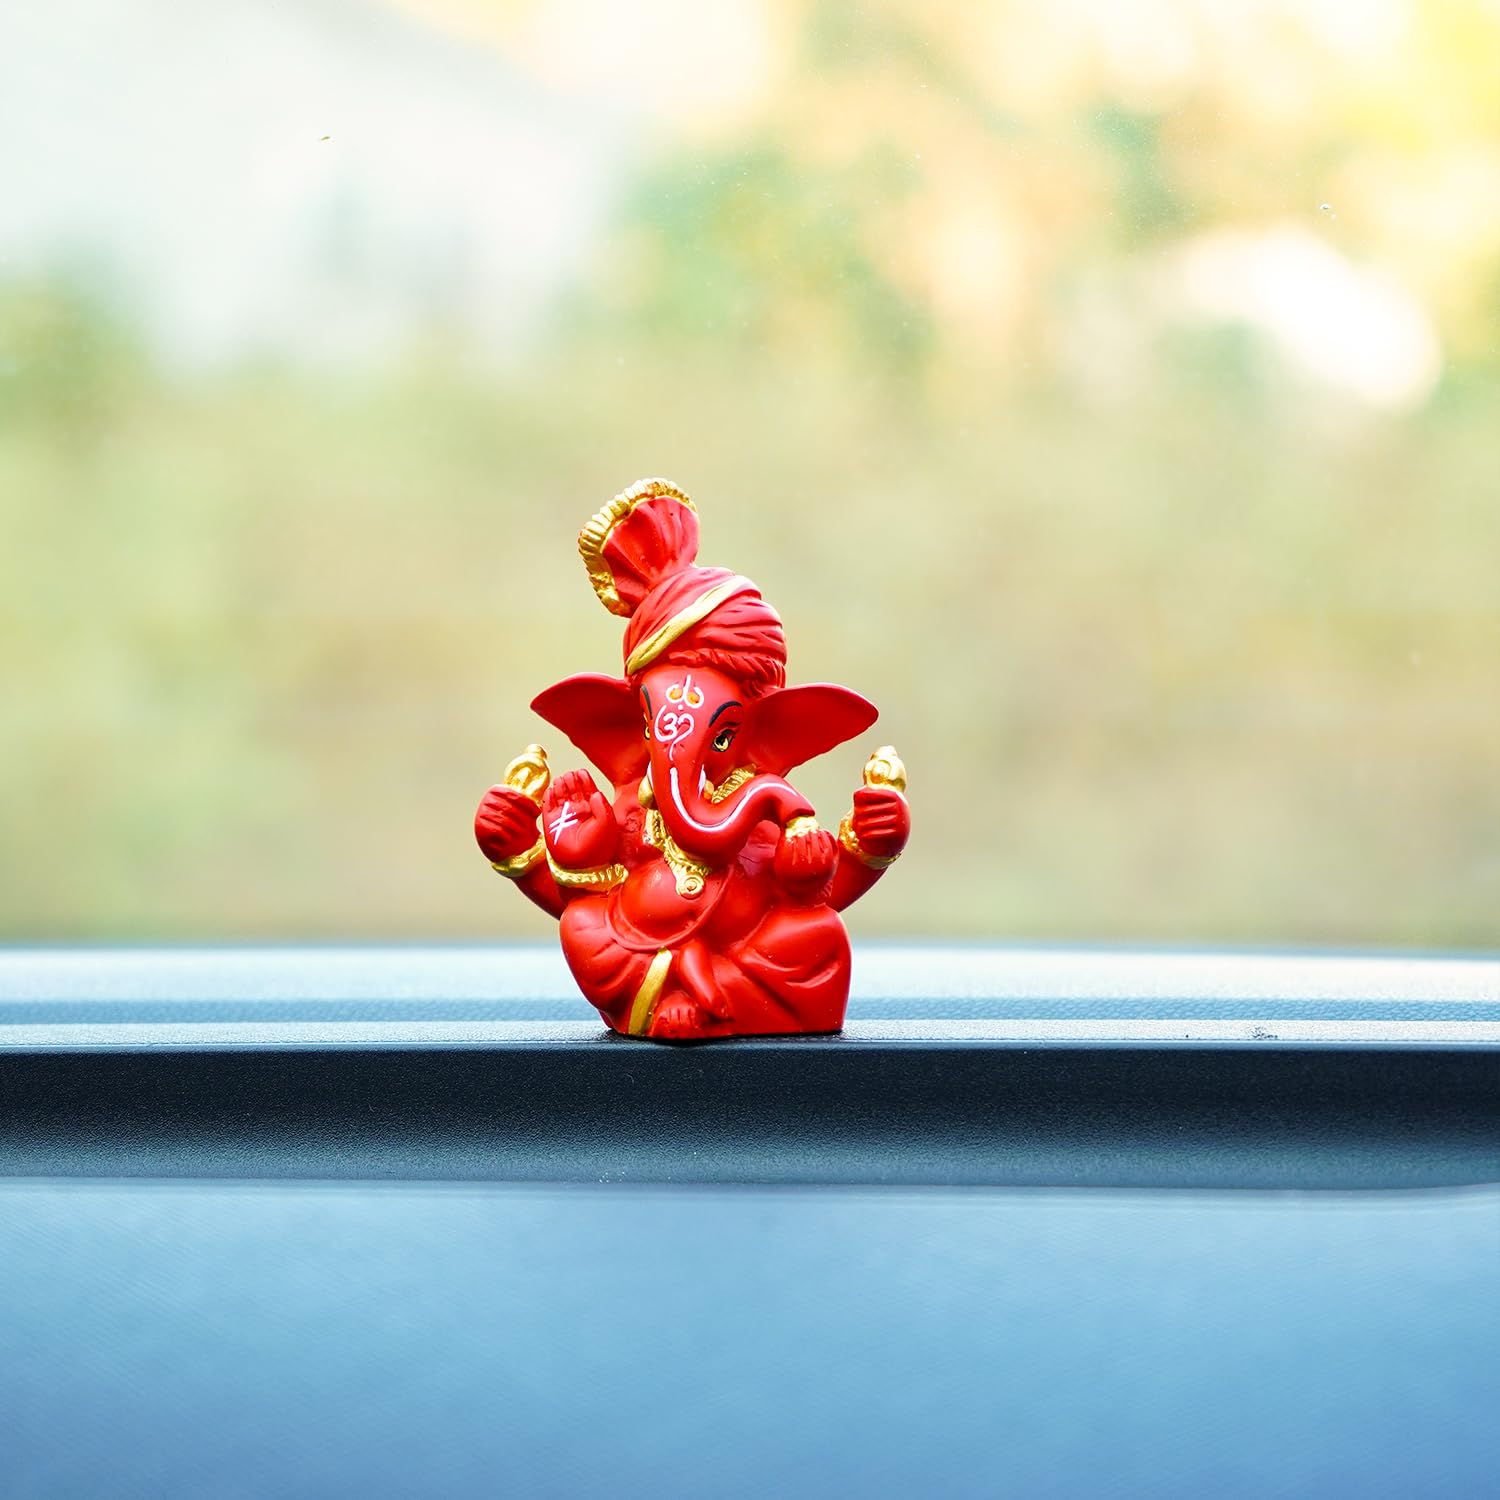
pixel 881 821
pixel 505 824
pixel 578 823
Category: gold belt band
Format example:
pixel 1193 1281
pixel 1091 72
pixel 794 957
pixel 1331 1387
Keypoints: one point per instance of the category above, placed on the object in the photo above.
pixel 649 992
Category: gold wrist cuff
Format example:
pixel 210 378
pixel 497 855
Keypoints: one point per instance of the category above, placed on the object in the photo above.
pixel 851 843
pixel 602 878
pixel 520 864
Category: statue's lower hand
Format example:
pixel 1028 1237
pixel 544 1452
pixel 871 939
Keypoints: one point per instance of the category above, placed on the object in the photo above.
pixel 505 825
pixel 805 860
pixel 578 823
pixel 881 821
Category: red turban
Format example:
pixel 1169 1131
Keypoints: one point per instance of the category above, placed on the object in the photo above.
pixel 640 552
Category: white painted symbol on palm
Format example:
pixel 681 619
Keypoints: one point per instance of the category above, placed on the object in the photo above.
pixel 565 819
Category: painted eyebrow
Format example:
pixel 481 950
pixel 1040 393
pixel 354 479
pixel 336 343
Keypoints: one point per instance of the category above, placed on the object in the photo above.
pixel 733 703
pixel 646 694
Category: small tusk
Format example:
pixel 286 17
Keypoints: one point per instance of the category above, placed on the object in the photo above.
pixel 676 794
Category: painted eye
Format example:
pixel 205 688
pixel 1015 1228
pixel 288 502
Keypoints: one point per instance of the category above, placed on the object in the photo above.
pixel 723 738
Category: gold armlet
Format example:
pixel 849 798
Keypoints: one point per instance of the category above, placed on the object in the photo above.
pixel 602 878
pixel 851 843
pixel 521 864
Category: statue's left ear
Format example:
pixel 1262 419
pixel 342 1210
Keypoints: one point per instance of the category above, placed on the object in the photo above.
pixel 602 717
pixel 795 724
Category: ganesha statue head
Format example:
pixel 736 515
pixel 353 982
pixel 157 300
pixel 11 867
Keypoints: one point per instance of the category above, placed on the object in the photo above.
pixel 701 900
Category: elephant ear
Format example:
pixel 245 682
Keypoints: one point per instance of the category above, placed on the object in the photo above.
pixel 602 718
pixel 795 724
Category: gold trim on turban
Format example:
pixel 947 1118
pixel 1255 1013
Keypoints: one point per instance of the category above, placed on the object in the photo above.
pixel 592 538
pixel 663 636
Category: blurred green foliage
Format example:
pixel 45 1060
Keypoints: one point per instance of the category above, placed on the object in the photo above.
pixel 1204 652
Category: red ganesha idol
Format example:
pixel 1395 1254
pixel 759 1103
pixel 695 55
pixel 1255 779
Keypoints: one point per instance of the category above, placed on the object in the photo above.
pixel 702 900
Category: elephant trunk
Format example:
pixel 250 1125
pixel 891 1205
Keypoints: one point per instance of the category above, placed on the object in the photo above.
pixel 715 832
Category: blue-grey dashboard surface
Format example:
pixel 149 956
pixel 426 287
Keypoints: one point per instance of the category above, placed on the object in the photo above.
pixel 1042 1222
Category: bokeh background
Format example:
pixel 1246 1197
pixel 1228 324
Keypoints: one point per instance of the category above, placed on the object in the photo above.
pixel 1111 391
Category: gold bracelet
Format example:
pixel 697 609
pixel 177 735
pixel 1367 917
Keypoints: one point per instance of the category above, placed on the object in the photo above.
pixel 601 878
pixel 520 864
pixel 848 839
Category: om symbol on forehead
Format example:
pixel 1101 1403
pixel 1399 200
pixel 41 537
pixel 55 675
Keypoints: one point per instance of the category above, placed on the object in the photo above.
pixel 674 724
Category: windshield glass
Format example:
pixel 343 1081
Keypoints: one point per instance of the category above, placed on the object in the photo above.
pixel 1110 393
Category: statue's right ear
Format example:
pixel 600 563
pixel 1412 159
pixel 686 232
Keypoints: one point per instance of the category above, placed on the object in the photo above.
pixel 791 725
pixel 602 718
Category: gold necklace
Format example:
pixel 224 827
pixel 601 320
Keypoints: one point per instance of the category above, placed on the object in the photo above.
pixel 689 873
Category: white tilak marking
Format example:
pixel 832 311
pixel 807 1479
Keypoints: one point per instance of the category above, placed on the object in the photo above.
pixel 671 727
pixel 563 820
